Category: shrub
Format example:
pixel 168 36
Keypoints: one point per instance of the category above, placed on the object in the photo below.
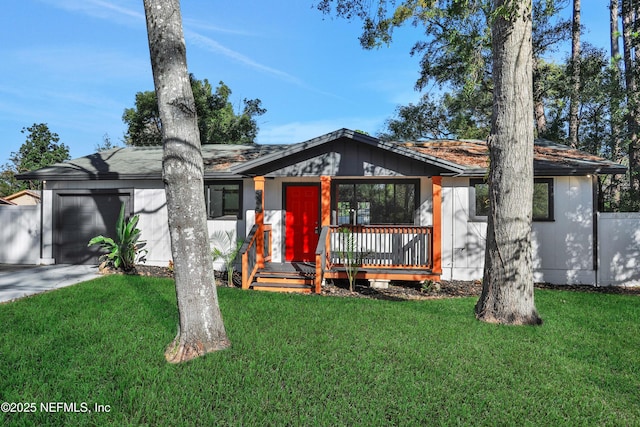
pixel 127 248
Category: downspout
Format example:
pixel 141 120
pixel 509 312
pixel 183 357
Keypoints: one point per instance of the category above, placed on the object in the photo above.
pixel 594 201
pixel 44 184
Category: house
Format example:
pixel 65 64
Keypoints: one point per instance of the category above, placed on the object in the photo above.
pixel 6 202
pixel 24 198
pixel 409 211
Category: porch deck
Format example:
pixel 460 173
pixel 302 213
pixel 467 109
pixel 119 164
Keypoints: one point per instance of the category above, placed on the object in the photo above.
pixel 379 252
pixel 301 276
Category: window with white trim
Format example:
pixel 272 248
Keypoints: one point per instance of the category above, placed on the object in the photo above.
pixel 542 199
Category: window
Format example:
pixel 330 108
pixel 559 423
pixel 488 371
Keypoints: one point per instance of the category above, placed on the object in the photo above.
pixel 379 202
pixel 224 200
pixel 542 199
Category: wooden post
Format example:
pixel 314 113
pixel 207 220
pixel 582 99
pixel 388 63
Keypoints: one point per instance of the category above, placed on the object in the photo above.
pixel 245 270
pixel 325 197
pixel 325 221
pixel 436 192
pixel 258 183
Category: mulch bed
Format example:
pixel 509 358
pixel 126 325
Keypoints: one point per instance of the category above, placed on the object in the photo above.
pixel 397 291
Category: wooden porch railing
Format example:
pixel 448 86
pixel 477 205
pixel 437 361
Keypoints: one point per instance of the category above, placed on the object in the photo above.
pixel 249 251
pixel 382 246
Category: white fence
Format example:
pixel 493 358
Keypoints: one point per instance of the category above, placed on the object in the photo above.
pixel 619 249
pixel 19 234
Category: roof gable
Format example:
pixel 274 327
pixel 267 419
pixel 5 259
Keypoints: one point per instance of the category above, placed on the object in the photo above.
pixel 345 153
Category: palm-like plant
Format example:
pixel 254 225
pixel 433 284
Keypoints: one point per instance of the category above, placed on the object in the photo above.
pixel 352 256
pixel 226 250
pixel 127 248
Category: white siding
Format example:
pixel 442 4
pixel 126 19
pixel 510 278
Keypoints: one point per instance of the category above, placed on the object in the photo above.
pixel 151 205
pixel 562 249
pixel 463 240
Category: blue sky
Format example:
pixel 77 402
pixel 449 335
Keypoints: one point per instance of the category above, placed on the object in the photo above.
pixel 77 64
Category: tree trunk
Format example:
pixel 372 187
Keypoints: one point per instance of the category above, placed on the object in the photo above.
pixel 575 75
pixel 614 33
pixel 614 182
pixel 201 329
pixel 507 290
pixel 538 103
pixel 628 21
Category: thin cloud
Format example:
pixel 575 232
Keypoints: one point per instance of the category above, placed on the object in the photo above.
pixel 110 10
pixel 193 23
pixel 118 9
pixel 98 9
pixel 214 46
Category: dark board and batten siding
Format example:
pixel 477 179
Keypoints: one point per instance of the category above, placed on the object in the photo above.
pixel 343 157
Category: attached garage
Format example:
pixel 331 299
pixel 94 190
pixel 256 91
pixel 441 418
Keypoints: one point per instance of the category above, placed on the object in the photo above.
pixel 80 215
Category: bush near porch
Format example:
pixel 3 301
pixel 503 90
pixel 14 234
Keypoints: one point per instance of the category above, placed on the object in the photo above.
pixel 317 360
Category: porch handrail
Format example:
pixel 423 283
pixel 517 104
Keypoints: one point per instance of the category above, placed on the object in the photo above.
pixel 249 251
pixel 322 257
pixel 384 246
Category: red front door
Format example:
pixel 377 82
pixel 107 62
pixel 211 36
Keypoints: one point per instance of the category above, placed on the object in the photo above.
pixel 302 220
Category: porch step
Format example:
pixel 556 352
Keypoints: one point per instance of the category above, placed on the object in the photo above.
pixel 284 277
pixel 281 287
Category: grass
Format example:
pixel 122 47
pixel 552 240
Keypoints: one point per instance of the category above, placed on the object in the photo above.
pixel 310 360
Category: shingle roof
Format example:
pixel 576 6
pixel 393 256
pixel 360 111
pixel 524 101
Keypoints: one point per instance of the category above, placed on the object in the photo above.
pixel 459 157
pixel 549 157
pixel 146 163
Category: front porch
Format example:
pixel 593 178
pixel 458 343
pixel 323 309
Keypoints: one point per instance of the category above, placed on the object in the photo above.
pixel 372 252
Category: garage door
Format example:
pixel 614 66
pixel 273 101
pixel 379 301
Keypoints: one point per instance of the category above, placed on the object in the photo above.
pixel 80 216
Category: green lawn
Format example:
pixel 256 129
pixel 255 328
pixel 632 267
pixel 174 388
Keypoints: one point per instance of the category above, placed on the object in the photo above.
pixel 312 360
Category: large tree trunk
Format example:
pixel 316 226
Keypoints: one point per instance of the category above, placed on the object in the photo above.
pixel 614 182
pixel 538 103
pixel 629 16
pixel 575 75
pixel 201 329
pixel 614 33
pixel 507 290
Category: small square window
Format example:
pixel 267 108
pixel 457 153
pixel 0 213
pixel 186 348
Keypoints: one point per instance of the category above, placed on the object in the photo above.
pixel 224 200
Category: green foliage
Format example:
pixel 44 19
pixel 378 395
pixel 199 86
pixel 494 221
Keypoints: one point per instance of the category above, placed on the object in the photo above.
pixel 126 248
pixel 226 248
pixel 351 253
pixel 453 115
pixel 456 54
pixel 430 286
pixel 353 361
pixel 41 148
pixel 218 123
pixel 107 144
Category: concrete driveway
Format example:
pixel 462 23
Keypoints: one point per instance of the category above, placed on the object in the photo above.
pixel 17 281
